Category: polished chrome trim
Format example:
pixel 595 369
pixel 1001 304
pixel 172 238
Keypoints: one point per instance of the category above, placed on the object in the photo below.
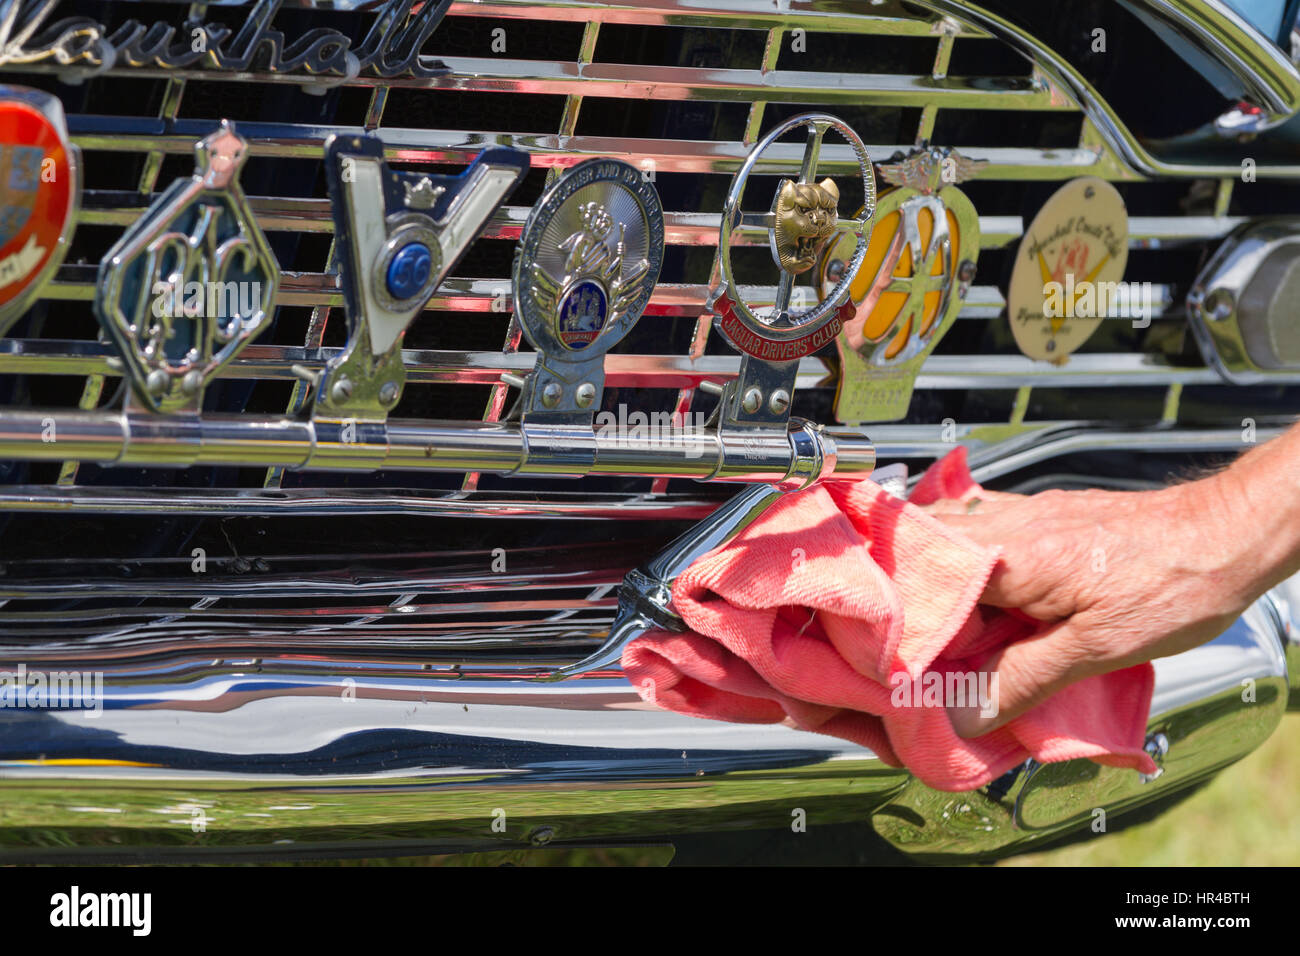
pixel 1257 63
pixel 265 502
pixel 269 748
pixel 757 455
pixel 1214 300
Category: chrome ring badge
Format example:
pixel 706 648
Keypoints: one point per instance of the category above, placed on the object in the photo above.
pixel 584 270
pixel 191 283
pixel 802 220
pixel 38 196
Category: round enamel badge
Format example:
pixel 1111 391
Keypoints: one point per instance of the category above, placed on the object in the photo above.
pixel 1068 271
pixel 38 195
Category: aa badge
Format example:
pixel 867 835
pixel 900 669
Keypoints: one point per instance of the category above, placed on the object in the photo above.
pixel 38 196
pixel 1070 259
pixel 917 271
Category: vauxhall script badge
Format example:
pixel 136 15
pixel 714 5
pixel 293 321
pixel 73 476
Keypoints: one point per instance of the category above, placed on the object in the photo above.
pixel 38 195
pixel 587 262
pixel 919 266
pixel 187 286
pixel 390 48
pixel 1078 245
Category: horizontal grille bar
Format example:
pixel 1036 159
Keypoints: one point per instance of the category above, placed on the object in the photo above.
pixel 122 208
pixel 740 14
pixel 680 83
pixel 286 140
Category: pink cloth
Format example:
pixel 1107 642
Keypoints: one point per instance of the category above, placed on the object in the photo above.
pixel 806 616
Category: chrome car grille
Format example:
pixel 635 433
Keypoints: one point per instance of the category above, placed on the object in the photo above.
pixel 384 561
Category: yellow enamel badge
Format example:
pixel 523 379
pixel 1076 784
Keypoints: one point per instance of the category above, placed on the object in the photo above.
pixel 918 269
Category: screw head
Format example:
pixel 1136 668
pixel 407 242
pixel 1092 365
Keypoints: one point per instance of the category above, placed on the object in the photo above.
pixel 342 389
pixel 780 401
pixel 388 393
pixel 586 394
pixel 192 382
pixel 752 400
pixel 551 394
pixel 540 836
pixel 157 381
pixel 966 271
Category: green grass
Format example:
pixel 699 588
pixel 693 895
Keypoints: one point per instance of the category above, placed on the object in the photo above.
pixel 1249 815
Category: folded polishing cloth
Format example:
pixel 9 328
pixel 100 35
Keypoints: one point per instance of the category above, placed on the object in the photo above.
pixel 808 616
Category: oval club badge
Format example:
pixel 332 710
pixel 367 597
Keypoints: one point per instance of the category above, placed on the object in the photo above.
pixel 1068 269
pixel 38 196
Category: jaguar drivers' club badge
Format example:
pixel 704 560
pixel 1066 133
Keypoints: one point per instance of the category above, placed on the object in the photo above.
pixel 1070 258
pixel 586 265
pixel 38 196
pixel 802 219
pixel 918 269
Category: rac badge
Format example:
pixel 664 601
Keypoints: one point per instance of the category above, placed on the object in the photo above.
pixel 1073 252
pixel 917 272
pixel 38 196
pixel 190 284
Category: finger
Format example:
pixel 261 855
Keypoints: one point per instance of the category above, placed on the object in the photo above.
pixel 1022 676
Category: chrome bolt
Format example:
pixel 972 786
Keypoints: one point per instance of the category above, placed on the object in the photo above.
pixel 342 390
pixel 586 394
pixel 752 400
pixel 1156 746
pixel 157 381
pixel 551 395
pixel 966 271
pixel 779 402
pixel 540 836
pixel 388 393
pixel 1219 305
pixel 192 382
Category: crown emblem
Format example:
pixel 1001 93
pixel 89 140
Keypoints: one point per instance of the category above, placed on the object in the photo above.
pixel 423 194
pixel 191 283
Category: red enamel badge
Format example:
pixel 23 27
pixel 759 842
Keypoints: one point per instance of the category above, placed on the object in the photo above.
pixel 38 195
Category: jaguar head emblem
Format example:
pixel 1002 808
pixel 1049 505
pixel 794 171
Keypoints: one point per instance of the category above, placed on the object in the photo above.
pixel 805 217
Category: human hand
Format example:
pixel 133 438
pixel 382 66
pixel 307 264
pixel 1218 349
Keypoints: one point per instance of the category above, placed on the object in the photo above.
pixel 1120 577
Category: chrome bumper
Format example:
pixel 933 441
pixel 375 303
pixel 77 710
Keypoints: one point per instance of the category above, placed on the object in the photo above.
pixel 192 757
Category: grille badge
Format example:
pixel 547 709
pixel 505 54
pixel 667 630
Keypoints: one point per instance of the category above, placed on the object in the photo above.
pixel 919 267
pixel 586 264
pixel 39 192
pixel 802 218
pixel 391 48
pixel 397 235
pixel 1075 249
pixel 190 283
